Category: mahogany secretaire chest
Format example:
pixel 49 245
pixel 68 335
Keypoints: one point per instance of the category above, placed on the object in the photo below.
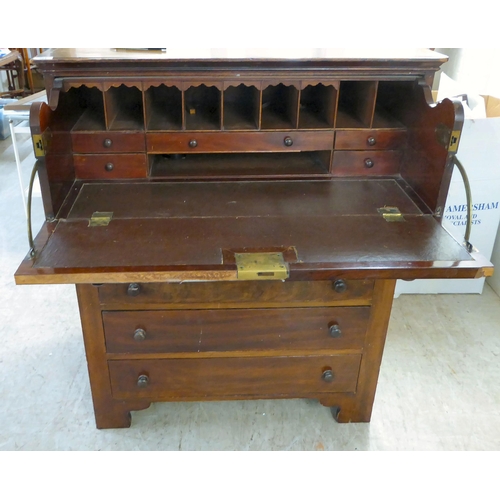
pixel 235 221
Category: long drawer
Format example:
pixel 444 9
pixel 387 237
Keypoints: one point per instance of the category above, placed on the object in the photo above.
pixel 220 142
pixel 234 294
pixel 215 330
pixel 232 377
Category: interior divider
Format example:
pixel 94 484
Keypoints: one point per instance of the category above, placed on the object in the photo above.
pixel 356 105
pixel 163 105
pixel 123 103
pixel 241 106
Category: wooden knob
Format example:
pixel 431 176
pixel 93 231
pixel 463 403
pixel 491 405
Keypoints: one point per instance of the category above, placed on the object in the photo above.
pixel 142 381
pixel 288 141
pixel 134 289
pixel 371 141
pixel 107 143
pixel 108 167
pixel 193 143
pixel 369 163
pixel 327 376
pixel 335 331
pixel 139 335
pixel 340 286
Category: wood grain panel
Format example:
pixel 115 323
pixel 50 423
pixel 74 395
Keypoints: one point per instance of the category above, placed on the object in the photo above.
pixel 109 412
pixel 121 142
pixel 352 163
pixel 235 294
pixel 418 245
pixel 380 139
pixel 236 329
pixel 124 166
pixel 241 199
pixel 292 376
pixel 220 142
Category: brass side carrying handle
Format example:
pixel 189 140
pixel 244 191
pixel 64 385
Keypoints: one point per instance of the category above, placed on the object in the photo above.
pixel 468 195
pixel 30 197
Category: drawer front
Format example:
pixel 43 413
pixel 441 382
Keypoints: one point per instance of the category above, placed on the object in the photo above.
pixel 235 330
pixel 110 166
pixel 366 163
pixel 370 139
pixel 218 377
pixel 235 294
pixel 220 142
pixel 108 142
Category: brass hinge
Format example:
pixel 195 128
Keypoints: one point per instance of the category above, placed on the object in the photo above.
pixel 261 266
pixel 100 219
pixel 41 143
pixel 454 139
pixel 391 214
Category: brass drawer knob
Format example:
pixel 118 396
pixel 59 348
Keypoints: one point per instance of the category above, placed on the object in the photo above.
pixel 108 167
pixel 142 381
pixel 107 143
pixel 369 163
pixel 134 289
pixel 193 143
pixel 288 141
pixel 335 331
pixel 327 376
pixel 371 141
pixel 139 335
pixel 340 286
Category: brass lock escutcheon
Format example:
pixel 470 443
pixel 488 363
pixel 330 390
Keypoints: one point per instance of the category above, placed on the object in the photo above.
pixel 261 266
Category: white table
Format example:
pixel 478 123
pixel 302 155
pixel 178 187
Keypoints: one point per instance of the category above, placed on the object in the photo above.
pixel 18 114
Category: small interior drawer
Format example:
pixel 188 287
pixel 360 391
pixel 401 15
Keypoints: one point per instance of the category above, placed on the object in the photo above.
pixel 213 330
pixel 366 163
pixel 370 139
pixel 108 142
pixel 295 376
pixel 220 142
pixel 124 166
pixel 235 294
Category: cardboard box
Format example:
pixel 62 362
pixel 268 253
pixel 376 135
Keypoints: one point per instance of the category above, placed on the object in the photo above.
pixel 479 152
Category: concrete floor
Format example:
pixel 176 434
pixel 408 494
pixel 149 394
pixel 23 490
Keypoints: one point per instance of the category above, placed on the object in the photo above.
pixel 438 389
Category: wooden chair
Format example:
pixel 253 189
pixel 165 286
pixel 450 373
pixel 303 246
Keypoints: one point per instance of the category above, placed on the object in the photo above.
pixel 27 55
pixel 19 66
pixel 13 65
